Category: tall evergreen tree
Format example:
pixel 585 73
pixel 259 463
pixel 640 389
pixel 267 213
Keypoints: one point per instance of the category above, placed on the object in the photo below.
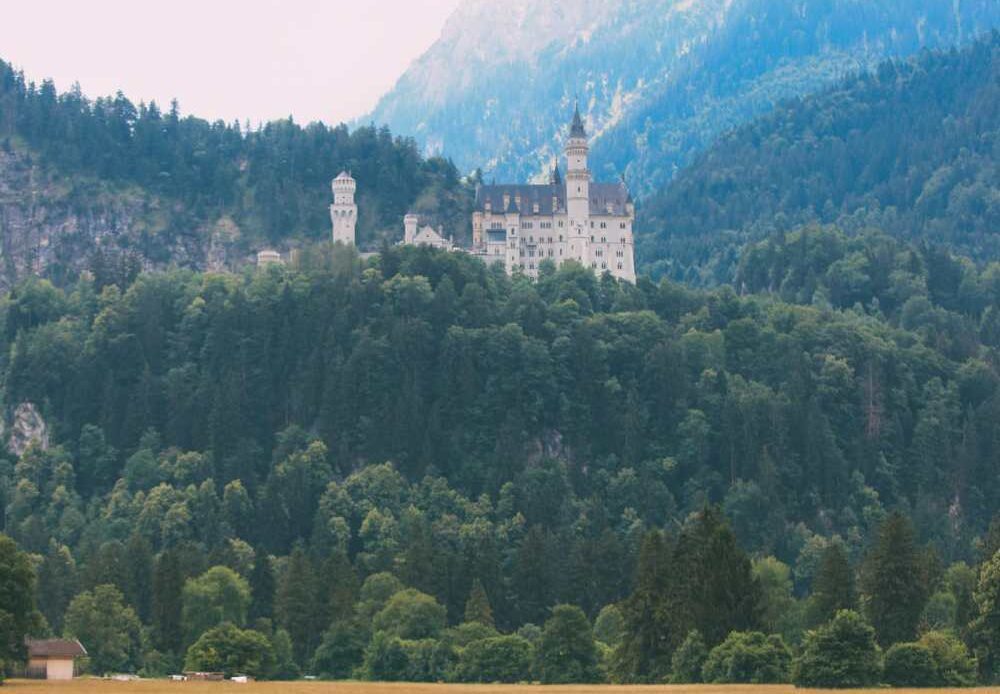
pixel 645 649
pixel 833 585
pixel 296 606
pixel 895 582
pixel 477 607
pixel 262 586
pixel 166 604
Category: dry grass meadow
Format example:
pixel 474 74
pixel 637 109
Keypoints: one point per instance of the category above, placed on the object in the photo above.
pixel 96 686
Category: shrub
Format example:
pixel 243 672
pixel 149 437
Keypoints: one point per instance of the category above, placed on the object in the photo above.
pixel 748 657
pixel 609 625
pixel 841 653
pixel 342 650
pixel 566 653
pixel 497 659
pixel 689 659
pixel 410 614
pixel 231 650
pixel 910 665
pixel 938 659
pixel 390 658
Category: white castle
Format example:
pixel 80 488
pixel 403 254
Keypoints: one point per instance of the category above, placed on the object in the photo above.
pixel 523 225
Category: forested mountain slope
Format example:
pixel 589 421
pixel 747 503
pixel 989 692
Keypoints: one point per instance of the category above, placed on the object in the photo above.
pixel 657 80
pixel 87 182
pixel 910 148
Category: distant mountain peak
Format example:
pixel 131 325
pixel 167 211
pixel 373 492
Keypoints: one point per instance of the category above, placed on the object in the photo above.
pixel 656 80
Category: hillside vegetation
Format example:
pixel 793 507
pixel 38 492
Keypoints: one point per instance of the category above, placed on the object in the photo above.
pixel 112 178
pixel 910 148
pixel 389 460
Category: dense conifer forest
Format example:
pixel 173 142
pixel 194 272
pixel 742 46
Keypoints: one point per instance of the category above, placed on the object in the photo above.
pixel 273 179
pixel 910 148
pixel 366 467
pixel 411 466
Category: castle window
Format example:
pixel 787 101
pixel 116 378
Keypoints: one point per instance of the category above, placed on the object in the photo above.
pixel 604 225
pixel 621 225
pixel 560 226
pixel 619 266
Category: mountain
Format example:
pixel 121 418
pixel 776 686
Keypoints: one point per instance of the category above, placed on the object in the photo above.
pixel 108 182
pixel 657 80
pixel 910 148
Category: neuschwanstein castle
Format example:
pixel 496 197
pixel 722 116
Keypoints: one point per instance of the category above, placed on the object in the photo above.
pixel 522 225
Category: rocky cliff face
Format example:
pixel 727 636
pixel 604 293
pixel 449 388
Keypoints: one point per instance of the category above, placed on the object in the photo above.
pixel 52 225
pixel 27 427
pixel 658 80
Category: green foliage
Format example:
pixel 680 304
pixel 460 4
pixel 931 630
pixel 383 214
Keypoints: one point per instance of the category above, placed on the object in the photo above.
pixel 390 658
pixel 505 659
pixel 895 577
pixel 410 614
pixel 218 595
pixel 566 652
pixel 609 627
pixel 748 657
pixel 271 182
pixel 840 654
pixel 228 649
pixel 910 665
pixel 689 659
pixel 477 607
pixel 107 627
pixel 986 626
pixel 833 585
pixel 341 650
pixel 866 153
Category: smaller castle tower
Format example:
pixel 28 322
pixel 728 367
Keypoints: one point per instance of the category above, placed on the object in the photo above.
pixel 410 223
pixel 343 211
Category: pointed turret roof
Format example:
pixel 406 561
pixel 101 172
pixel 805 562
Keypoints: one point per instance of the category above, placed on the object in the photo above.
pixel 512 205
pixel 576 129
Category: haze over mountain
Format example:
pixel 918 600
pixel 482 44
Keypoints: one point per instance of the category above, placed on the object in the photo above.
pixel 910 148
pixel 657 80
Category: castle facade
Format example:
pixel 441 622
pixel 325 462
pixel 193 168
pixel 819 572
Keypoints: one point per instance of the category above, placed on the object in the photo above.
pixel 523 225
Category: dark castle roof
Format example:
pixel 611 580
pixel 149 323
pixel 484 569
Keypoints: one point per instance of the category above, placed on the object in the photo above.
pixel 601 195
pixel 576 129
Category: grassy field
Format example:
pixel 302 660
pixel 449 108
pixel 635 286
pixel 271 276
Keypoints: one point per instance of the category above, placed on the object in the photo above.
pixel 94 686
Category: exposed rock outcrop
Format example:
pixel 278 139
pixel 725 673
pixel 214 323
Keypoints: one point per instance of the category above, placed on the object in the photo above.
pixel 27 427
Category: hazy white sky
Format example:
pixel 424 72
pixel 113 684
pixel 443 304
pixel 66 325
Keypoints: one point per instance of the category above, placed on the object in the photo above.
pixel 324 60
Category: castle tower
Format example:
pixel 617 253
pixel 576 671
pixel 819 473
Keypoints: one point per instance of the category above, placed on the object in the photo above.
pixel 410 223
pixel 343 211
pixel 577 173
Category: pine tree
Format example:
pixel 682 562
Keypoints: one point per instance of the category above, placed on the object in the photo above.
pixel 833 586
pixel 168 586
pixel 644 652
pixel 477 607
pixel 296 606
pixel 139 575
pixel 261 586
pixel 339 586
pixel 57 583
pixel 895 582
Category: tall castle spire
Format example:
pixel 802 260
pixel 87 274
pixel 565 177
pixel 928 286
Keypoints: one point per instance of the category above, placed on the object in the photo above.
pixel 577 173
pixel 577 129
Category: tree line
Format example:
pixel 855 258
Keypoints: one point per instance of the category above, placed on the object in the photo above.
pixel 272 180
pixel 336 466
